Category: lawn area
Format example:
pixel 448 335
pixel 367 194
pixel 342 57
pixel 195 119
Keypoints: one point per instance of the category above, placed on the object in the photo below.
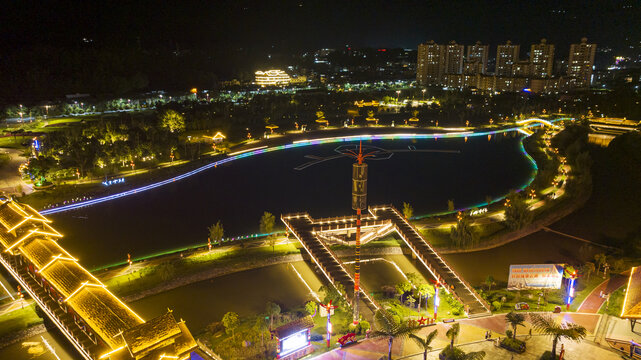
pixel 149 276
pixel 19 320
pixel 554 297
pixel 440 237
pixel 615 304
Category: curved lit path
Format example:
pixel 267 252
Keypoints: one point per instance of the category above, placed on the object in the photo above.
pixel 249 150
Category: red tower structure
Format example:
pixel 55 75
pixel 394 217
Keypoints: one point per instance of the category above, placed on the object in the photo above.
pixel 359 203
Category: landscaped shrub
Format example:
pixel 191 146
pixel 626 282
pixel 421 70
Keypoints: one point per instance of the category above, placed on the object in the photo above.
pixel 515 345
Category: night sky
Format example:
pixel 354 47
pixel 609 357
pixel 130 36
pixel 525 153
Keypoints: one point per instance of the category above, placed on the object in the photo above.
pixel 302 25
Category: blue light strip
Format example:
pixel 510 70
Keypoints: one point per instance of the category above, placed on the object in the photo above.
pixel 295 144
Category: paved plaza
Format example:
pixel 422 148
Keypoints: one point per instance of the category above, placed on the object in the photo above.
pixel 472 337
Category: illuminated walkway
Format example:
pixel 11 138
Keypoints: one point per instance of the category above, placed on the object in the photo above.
pixel 381 220
pixel 304 228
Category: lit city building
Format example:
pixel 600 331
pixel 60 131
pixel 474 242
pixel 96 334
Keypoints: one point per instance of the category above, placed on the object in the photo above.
pixel 581 62
pixel 506 56
pixel 454 58
pixel 272 78
pixel 541 59
pixel 430 63
pixel 476 61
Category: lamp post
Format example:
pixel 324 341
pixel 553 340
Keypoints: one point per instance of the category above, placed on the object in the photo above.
pixel 573 277
pixel 423 91
pixel 329 307
pixel 398 94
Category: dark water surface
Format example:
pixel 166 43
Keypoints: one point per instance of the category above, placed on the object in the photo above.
pixel 178 214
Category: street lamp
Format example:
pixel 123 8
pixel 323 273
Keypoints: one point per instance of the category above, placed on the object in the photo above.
pixel 398 94
pixel 423 91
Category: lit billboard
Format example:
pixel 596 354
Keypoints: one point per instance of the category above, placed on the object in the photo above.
pixel 535 276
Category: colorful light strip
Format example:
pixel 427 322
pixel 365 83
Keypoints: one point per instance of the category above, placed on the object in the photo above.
pixel 295 144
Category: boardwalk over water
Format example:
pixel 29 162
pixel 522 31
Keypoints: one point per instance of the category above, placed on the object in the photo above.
pixel 380 221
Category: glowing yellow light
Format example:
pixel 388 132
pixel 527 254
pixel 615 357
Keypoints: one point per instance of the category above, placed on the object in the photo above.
pixel 627 291
pixel 272 77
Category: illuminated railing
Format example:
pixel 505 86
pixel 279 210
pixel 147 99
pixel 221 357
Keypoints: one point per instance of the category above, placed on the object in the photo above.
pixel 445 263
pixel 325 271
pixel 63 328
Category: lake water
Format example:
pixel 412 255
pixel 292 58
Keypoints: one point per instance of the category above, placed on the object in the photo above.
pixel 237 194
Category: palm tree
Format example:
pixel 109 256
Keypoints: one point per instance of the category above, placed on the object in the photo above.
pixel 548 326
pixel 388 328
pixel 424 343
pixel 514 319
pixel 588 269
pixel 452 333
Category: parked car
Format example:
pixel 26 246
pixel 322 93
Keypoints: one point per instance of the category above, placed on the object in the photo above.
pixel 522 306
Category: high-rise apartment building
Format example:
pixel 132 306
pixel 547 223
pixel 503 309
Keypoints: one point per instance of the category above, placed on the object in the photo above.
pixel 430 64
pixel 521 68
pixel 541 59
pixel 581 62
pixel 476 61
pixel 506 56
pixel 454 58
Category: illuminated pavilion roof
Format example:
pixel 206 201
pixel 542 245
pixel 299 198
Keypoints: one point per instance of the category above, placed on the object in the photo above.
pixel 41 250
pixel 67 276
pixel 155 336
pixel 632 301
pixel 23 231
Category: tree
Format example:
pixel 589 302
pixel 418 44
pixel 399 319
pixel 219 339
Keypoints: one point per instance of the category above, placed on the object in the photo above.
pixel 450 205
pixel 452 333
pixel 267 222
pixel 271 239
pixel 588 269
pixel 514 319
pixel 166 271
pixel 600 261
pixel 39 167
pixel 172 121
pixel 216 232
pixel 463 234
pixel 402 288
pixel 547 325
pixel 413 278
pixel 424 343
pixel 408 211
pixel 230 322
pixel 517 213
pixel 311 307
pixel 423 290
pixel 489 281
pixel 272 310
pixel 388 327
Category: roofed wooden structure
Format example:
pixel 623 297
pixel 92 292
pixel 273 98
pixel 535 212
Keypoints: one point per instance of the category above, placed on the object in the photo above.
pixel 27 237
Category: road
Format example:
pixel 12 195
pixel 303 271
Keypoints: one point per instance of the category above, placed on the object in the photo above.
pixel 9 174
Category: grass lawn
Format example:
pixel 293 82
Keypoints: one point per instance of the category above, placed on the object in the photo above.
pixel 615 304
pixel 19 320
pixel 554 297
pixel 150 276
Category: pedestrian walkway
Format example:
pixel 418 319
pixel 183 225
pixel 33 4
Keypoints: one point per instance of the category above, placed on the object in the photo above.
pixel 596 298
